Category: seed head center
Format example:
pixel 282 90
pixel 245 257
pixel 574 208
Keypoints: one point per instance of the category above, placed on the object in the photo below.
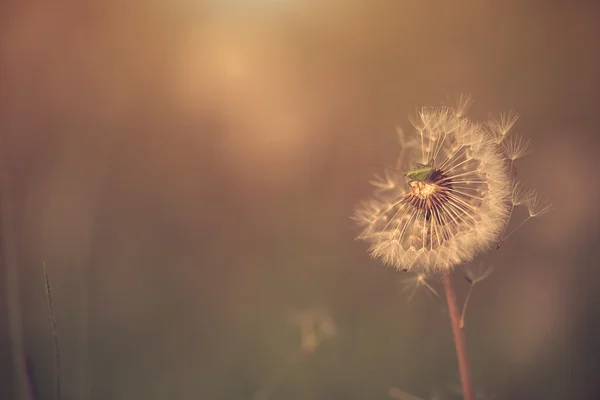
pixel 421 189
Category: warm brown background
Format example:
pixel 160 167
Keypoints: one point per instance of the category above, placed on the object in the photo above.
pixel 188 170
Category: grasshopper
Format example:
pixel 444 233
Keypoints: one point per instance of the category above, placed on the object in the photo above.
pixel 421 173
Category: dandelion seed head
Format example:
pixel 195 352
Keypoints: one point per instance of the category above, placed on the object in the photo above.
pixel 455 202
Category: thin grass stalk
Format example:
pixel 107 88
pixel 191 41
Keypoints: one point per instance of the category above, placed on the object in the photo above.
pixel 54 334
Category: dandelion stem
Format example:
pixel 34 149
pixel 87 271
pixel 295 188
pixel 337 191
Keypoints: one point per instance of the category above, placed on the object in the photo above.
pixel 459 339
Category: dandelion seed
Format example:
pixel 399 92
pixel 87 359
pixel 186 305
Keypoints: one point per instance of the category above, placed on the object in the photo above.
pixel 413 283
pixel 536 206
pixel 474 275
pixel 501 125
pixel 479 273
pixel 456 202
pixel 516 147
pixel 462 104
pixel 519 196
pixel 385 182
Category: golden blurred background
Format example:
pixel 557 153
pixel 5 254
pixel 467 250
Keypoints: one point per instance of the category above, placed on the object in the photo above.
pixel 187 171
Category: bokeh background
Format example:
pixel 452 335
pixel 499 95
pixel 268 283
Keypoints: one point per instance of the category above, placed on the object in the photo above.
pixel 187 170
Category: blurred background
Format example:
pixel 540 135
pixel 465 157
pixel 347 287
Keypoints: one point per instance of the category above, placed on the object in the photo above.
pixel 187 171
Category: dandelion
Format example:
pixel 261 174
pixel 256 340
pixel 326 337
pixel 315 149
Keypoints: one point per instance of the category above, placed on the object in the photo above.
pixel 453 200
pixel 455 203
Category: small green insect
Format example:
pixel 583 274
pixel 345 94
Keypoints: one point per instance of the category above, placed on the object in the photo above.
pixel 421 173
